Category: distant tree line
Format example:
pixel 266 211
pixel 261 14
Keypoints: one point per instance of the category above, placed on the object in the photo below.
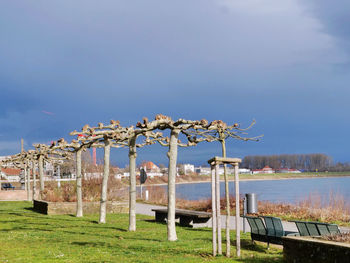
pixel 305 162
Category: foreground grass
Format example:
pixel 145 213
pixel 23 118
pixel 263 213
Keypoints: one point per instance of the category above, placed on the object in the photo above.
pixel 27 236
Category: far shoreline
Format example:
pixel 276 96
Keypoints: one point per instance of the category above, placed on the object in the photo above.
pixel 266 178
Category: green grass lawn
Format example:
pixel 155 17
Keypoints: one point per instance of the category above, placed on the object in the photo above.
pixel 26 236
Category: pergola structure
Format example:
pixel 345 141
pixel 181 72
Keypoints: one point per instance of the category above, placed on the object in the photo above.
pixel 215 195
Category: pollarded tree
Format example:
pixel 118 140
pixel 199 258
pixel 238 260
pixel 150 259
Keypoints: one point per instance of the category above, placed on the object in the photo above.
pixel 74 147
pixel 220 131
pixel 176 128
pixel 150 138
pixel 47 153
pixel 101 136
pixel 116 136
pixel 28 158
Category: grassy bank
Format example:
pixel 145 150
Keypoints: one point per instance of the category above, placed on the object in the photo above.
pixel 118 189
pixel 27 236
pixel 313 208
pixel 275 176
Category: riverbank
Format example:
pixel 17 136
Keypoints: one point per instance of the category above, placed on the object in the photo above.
pixel 246 177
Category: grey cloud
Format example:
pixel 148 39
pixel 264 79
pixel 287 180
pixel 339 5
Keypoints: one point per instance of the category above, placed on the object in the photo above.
pixel 334 15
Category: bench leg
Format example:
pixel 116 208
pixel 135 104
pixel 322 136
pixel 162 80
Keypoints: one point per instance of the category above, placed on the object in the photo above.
pixel 185 220
pixel 160 217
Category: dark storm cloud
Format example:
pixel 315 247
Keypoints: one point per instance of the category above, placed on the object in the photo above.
pixel 88 62
pixel 334 15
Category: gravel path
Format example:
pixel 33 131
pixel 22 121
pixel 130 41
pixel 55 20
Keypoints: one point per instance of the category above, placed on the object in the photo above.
pixel 146 209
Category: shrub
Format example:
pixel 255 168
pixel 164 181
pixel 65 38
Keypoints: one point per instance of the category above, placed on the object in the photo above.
pixel 91 190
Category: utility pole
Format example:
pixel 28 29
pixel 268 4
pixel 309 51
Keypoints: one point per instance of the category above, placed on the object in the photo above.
pixel 22 148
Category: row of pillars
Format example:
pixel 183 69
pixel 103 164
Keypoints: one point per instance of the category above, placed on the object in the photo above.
pixel 216 214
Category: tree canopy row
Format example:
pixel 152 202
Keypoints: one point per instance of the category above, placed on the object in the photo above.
pixel 304 162
pixel 145 133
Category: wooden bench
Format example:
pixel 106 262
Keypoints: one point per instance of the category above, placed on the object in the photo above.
pixel 186 216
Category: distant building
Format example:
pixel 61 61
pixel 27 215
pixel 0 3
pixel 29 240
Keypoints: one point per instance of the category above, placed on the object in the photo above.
pixel 202 170
pixel 188 168
pixel 207 170
pixel 287 170
pixel 11 174
pixel 244 171
pixel 265 170
pixel 150 167
pixel 94 175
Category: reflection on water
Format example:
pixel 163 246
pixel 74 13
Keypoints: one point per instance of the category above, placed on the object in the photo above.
pixel 288 190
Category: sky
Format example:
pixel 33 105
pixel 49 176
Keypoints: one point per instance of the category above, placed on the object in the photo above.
pixel 285 64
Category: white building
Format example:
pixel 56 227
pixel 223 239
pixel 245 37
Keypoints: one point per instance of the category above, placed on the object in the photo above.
pixel 188 168
pixel 244 171
pixel 203 170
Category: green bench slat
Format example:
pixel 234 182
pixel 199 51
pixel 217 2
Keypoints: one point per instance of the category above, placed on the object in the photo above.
pixel 333 229
pixel 323 229
pixel 274 226
pixel 306 228
pixel 311 227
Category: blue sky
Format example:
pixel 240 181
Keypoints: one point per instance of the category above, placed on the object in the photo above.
pixel 283 63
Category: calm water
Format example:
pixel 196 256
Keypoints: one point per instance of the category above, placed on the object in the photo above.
pixel 291 190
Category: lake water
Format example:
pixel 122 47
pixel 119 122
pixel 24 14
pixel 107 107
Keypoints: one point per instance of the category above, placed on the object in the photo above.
pixel 288 190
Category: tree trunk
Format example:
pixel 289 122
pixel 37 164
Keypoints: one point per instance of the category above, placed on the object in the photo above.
pixel 172 154
pixel 103 205
pixel 79 212
pixel 228 250
pixel 41 173
pixel 29 196
pixel 25 177
pixel 213 208
pixel 238 225
pixel 132 191
pixel 218 207
pixel 34 180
